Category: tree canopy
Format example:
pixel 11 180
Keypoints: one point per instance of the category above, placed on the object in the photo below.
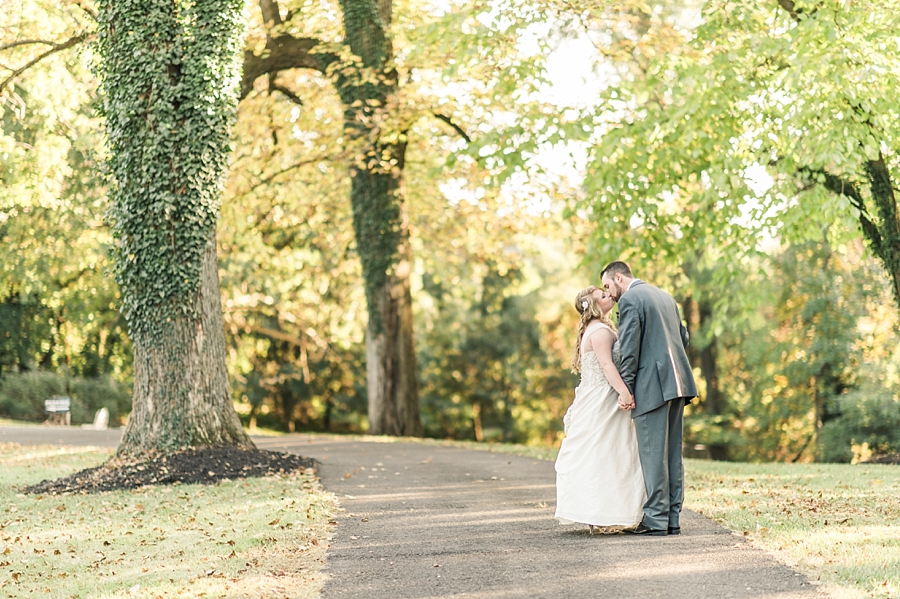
pixel 739 155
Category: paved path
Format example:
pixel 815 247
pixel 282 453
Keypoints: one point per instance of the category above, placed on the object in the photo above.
pixel 429 521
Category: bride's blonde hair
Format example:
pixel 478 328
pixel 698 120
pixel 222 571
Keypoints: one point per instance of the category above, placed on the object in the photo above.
pixel 589 308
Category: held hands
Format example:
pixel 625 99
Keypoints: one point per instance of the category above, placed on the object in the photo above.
pixel 626 401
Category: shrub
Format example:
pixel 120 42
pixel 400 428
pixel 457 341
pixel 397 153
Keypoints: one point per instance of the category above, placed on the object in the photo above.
pixel 869 423
pixel 22 396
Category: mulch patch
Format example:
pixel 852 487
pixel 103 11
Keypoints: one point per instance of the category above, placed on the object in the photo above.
pixel 205 465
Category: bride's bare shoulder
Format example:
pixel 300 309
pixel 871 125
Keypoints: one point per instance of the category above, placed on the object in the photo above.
pixel 595 325
pixel 599 338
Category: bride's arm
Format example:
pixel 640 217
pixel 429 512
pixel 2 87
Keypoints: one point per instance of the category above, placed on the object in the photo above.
pixel 602 343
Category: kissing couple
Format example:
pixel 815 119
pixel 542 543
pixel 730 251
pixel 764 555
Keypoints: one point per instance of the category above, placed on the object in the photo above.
pixel 620 466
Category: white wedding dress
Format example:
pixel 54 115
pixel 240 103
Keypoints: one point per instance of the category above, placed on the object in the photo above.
pixel 598 471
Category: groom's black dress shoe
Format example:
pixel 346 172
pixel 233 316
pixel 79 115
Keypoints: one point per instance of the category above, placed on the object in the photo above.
pixel 674 530
pixel 641 529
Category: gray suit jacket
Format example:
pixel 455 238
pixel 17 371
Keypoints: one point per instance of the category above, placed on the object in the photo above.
pixel 652 340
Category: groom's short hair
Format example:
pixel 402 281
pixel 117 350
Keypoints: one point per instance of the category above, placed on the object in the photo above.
pixel 617 267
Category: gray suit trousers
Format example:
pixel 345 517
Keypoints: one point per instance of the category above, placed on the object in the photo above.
pixel 659 435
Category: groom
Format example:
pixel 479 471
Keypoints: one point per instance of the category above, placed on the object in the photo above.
pixel 655 368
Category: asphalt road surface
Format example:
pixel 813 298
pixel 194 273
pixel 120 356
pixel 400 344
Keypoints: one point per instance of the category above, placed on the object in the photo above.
pixel 428 521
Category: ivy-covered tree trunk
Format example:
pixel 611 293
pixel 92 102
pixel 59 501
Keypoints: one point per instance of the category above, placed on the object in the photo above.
pixel 379 219
pixel 169 71
pixel 887 243
pixel 181 390
pixel 393 382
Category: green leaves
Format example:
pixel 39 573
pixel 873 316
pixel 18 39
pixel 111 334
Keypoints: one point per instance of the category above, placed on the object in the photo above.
pixel 751 85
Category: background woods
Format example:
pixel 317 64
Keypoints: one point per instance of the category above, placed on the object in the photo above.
pixel 417 191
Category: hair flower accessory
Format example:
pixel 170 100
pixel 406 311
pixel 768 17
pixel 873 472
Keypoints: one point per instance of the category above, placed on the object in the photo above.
pixel 584 304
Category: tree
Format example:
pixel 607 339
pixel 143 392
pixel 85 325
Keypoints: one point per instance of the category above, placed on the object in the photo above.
pixel 366 81
pixel 56 305
pixel 169 77
pixel 383 95
pixel 489 75
pixel 803 355
pixel 804 90
pixel 290 278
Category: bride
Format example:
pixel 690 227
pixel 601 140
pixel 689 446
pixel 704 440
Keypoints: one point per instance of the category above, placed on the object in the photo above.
pixel 598 471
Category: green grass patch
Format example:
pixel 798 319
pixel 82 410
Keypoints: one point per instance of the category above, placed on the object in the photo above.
pixel 254 537
pixel 838 523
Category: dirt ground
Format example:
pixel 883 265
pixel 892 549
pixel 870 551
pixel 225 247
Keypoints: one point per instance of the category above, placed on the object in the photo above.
pixel 205 465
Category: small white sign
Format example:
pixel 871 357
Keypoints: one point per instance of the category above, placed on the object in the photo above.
pixel 57 405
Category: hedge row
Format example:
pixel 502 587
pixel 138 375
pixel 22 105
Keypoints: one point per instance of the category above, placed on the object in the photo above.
pixel 22 396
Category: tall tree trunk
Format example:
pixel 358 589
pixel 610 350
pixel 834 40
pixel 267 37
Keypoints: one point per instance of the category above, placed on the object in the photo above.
pixel 366 85
pixel 887 247
pixel 700 353
pixel 709 367
pixel 170 77
pixel 393 384
pixel 182 396
pixel 883 232
pixel 705 352
pixel 379 218
pixel 819 416
pixel 477 427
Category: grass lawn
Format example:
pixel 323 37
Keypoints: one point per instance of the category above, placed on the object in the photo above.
pixel 8 422
pixel 255 537
pixel 838 523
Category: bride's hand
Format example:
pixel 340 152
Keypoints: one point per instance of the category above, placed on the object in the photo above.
pixel 626 402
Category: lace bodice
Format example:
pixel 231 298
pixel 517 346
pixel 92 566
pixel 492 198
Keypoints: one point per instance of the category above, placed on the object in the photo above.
pixel 591 373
